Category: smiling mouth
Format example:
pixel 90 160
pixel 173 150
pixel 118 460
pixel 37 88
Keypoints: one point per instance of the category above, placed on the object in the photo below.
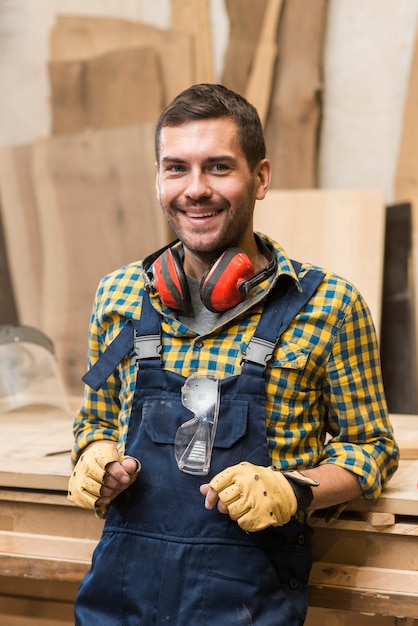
pixel 199 215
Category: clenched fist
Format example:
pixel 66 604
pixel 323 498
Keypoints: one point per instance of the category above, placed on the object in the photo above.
pixel 258 497
pixel 101 473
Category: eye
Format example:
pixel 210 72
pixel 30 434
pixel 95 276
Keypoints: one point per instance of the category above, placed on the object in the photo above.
pixel 173 170
pixel 219 167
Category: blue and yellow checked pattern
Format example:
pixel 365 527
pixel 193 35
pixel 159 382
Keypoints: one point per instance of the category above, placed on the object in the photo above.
pixel 325 398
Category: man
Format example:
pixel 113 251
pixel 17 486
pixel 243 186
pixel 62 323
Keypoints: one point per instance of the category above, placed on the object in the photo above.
pixel 302 421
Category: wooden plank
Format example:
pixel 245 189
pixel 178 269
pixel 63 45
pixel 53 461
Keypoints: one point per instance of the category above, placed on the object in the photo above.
pixel 341 230
pixel 23 611
pixel 366 578
pixel 399 497
pixel 333 617
pixel 27 545
pixel 348 539
pixel 363 601
pixel 117 88
pixel 245 22
pixel 192 17
pixel 293 121
pixel 406 433
pixel 259 85
pixel 406 176
pixel 75 37
pixel 46 512
pixel 21 233
pixel 32 462
pixel 98 210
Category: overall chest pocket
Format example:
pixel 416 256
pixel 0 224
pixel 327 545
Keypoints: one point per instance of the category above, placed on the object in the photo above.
pixel 161 417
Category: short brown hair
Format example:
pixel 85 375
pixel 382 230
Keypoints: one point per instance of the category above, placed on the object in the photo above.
pixel 208 101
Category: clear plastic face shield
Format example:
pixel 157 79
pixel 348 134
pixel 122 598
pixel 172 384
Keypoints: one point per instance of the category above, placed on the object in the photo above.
pixel 29 372
pixel 194 439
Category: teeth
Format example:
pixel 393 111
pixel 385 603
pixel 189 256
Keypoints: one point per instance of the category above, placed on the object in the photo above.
pixel 209 214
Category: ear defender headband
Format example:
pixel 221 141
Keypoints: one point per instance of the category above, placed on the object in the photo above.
pixel 224 284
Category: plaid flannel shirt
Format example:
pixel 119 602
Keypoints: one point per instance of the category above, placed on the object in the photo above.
pixel 325 401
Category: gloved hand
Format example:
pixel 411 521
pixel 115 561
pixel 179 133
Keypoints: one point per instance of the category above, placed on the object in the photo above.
pixel 87 478
pixel 257 497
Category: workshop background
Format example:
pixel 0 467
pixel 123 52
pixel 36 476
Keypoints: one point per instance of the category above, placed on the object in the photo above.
pixel 82 84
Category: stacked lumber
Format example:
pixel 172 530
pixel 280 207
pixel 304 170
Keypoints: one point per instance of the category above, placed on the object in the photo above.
pixel 80 202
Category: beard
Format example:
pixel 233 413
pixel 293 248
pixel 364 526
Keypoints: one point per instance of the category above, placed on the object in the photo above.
pixel 204 240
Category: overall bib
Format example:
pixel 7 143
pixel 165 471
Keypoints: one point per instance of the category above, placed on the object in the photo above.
pixel 163 558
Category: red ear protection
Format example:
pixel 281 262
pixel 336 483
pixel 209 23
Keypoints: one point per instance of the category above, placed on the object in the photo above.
pixel 225 283
pixel 170 281
pixel 220 285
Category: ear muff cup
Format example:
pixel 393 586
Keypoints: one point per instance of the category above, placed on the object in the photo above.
pixel 170 281
pixel 220 285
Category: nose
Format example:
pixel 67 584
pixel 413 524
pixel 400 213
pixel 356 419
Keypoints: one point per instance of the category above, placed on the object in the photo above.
pixel 198 187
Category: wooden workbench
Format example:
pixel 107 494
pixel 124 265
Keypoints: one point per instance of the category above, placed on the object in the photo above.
pixel 365 564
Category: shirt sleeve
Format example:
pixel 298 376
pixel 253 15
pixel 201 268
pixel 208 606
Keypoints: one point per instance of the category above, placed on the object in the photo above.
pixel 361 436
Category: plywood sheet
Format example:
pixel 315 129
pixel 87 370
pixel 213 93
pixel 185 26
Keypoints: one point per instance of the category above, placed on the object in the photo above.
pixel 118 88
pixel 258 89
pixel 76 37
pixel 406 433
pixel 21 232
pixel 400 496
pixel 341 230
pixel 245 22
pixel 406 179
pixel 98 210
pixel 34 448
pixel 192 17
pixel 292 125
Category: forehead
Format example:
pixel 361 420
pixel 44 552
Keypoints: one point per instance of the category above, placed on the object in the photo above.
pixel 216 136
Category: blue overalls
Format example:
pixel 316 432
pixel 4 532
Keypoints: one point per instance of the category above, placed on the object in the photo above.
pixel 163 558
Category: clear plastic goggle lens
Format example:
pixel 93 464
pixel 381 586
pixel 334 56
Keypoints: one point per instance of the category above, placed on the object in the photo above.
pixel 193 444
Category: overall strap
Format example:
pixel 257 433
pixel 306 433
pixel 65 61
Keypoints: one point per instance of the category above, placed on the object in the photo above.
pixel 281 307
pixel 143 335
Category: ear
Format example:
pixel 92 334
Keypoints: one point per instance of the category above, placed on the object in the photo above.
pixel 263 178
pixel 157 182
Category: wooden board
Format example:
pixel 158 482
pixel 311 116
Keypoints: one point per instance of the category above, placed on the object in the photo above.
pixel 400 496
pixel 75 37
pixel 192 17
pixel 21 232
pixel 341 230
pixel 35 446
pixel 293 122
pixel 258 89
pixel 406 433
pixel 244 30
pixel 98 210
pixel 117 88
pixel 406 177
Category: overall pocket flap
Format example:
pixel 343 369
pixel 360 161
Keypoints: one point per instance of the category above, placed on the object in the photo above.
pixel 161 417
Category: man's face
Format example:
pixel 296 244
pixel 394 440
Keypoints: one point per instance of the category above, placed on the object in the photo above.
pixel 206 188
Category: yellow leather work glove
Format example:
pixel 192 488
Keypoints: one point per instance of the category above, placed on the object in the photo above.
pixel 258 497
pixel 87 478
